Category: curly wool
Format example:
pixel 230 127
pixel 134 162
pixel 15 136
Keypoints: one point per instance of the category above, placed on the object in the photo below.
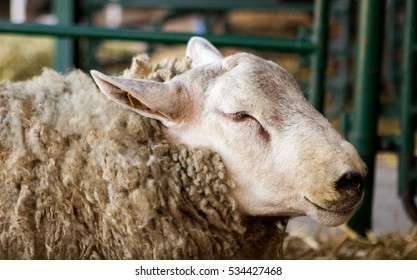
pixel 82 178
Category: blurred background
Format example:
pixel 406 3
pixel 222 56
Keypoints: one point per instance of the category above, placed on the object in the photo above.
pixel 354 60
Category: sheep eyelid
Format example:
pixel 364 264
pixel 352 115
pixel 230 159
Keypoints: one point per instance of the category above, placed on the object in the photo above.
pixel 240 116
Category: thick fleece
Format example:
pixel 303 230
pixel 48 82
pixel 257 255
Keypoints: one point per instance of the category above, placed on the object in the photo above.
pixel 83 178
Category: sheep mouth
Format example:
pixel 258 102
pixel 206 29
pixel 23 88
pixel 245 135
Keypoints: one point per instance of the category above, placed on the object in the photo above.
pixel 341 212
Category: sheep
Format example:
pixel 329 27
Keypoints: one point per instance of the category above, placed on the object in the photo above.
pixel 197 159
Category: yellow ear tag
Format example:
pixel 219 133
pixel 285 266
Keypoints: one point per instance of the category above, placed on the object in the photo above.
pixel 133 101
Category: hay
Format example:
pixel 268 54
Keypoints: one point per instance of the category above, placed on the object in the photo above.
pixel 338 245
pixel 22 57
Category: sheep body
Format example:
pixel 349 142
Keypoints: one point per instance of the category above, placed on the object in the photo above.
pixel 81 178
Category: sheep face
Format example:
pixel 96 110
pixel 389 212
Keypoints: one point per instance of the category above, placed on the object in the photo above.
pixel 283 155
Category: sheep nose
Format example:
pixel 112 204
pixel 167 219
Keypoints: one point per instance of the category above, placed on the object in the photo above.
pixel 351 183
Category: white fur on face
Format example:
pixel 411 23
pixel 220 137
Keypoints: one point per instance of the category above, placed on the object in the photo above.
pixel 284 156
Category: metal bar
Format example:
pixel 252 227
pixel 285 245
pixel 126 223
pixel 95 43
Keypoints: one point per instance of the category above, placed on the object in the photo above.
pixel 408 89
pixel 88 51
pixel 280 44
pixel 337 83
pixel 413 175
pixel 64 48
pixel 390 71
pixel 319 58
pixel 366 89
pixel 214 4
pixel 413 109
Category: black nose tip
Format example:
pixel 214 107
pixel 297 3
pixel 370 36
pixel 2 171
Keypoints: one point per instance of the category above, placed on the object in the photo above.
pixel 351 182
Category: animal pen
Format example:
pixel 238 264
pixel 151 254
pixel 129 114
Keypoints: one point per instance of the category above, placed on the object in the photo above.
pixel 314 46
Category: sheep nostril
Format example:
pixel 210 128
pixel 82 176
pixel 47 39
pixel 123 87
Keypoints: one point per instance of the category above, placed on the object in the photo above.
pixel 350 181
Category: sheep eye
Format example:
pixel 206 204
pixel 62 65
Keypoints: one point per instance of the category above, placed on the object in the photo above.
pixel 240 116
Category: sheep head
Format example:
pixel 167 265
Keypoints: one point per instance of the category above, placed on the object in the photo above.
pixel 284 156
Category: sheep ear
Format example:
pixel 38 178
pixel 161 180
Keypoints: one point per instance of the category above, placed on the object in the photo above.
pixel 202 52
pixel 151 99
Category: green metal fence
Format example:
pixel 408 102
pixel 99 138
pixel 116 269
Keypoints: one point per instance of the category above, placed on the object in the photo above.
pixel 363 133
pixel 367 108
pixel 407 168
pixel 315 46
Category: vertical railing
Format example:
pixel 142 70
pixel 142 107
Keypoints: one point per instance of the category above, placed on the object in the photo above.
pixel 363 134
pixel 64 48
pixel 319 57
pixel 408 176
